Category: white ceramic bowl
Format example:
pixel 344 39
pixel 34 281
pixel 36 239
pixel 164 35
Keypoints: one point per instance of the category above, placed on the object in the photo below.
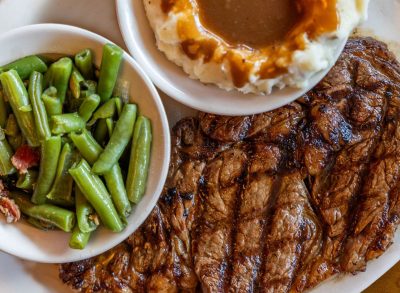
pixel 29 243
pixel 172 80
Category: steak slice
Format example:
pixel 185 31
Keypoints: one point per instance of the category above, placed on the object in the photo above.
pixel 274 202
pixel 372 210
pixel 289 230
pixel 213 246
pixel 385 238
pixel 253 212
pixel 274 126
pixel 256 202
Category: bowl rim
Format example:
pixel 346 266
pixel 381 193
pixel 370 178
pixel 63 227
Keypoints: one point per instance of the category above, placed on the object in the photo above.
pixel 176 91
pixel 144 213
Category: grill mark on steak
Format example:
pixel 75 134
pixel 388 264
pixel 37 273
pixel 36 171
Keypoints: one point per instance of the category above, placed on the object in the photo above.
pixel 214 229
pixel 342 181
pixel 386 235
pixel 186 202
pixel 371 214
pixel 153 257
pixel 182 220
pixel 285 239
pixel 382 177
pixel 254 210
pixel 254 206
pixel 213 246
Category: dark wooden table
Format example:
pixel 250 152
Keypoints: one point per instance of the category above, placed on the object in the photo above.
pixel 388 283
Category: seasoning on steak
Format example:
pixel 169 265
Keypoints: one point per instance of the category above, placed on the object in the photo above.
pixel 275 202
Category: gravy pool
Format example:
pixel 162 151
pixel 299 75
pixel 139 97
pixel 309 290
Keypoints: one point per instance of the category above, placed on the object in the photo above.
pixel 254 23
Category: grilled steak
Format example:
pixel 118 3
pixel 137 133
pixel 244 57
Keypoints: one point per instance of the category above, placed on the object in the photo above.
pixel 275 202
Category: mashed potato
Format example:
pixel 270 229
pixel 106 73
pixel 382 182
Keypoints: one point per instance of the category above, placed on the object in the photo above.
pixel 202 55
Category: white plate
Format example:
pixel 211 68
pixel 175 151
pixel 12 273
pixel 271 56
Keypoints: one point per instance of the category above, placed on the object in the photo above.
pixel 171 79
pixel 21 276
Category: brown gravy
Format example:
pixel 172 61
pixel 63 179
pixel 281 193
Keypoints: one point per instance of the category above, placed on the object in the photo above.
pixel 255 23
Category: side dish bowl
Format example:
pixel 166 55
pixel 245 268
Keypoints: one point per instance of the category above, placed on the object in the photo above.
pixel 26 242
pixel 172 80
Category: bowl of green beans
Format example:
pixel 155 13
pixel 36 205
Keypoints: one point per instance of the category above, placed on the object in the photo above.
pixel 84 144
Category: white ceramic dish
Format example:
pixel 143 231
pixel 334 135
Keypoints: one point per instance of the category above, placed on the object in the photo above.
pixel 24 276
pixel 29 243
pixel 171 79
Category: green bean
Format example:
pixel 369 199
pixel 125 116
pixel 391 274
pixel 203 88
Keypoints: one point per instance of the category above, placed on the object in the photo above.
pixel 88 106
pixel 51 102
pixel 14 136
pixel 84 62
pixel 51 91
pixel 87 145
pixel 140 159
pixel 79 239
pixel 107 110
pixel 101 131
pixel 66 123
pixel 56 216
pixel 115 184
pixel 39 110
pixel 88 88
pixel 96 193
pixel 75 82
pixel 39 224
pixel 90 151
pixel 119 140
pixel 110 126
pixel 18 98
pixel 58 76
pixel 109 68
pixel 53 105
pixel 3 111
pixel 61 191
pixel 119 105
pixel 50 152
pixel 85 214
pixel 12 128
pixel 6 153
pixel 27 180
pixel 25 66
pixel 16 141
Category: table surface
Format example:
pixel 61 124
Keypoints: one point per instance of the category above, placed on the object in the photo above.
pixel 76 13
pixel 388 283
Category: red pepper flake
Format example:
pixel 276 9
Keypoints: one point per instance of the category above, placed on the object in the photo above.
pixel 25 157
